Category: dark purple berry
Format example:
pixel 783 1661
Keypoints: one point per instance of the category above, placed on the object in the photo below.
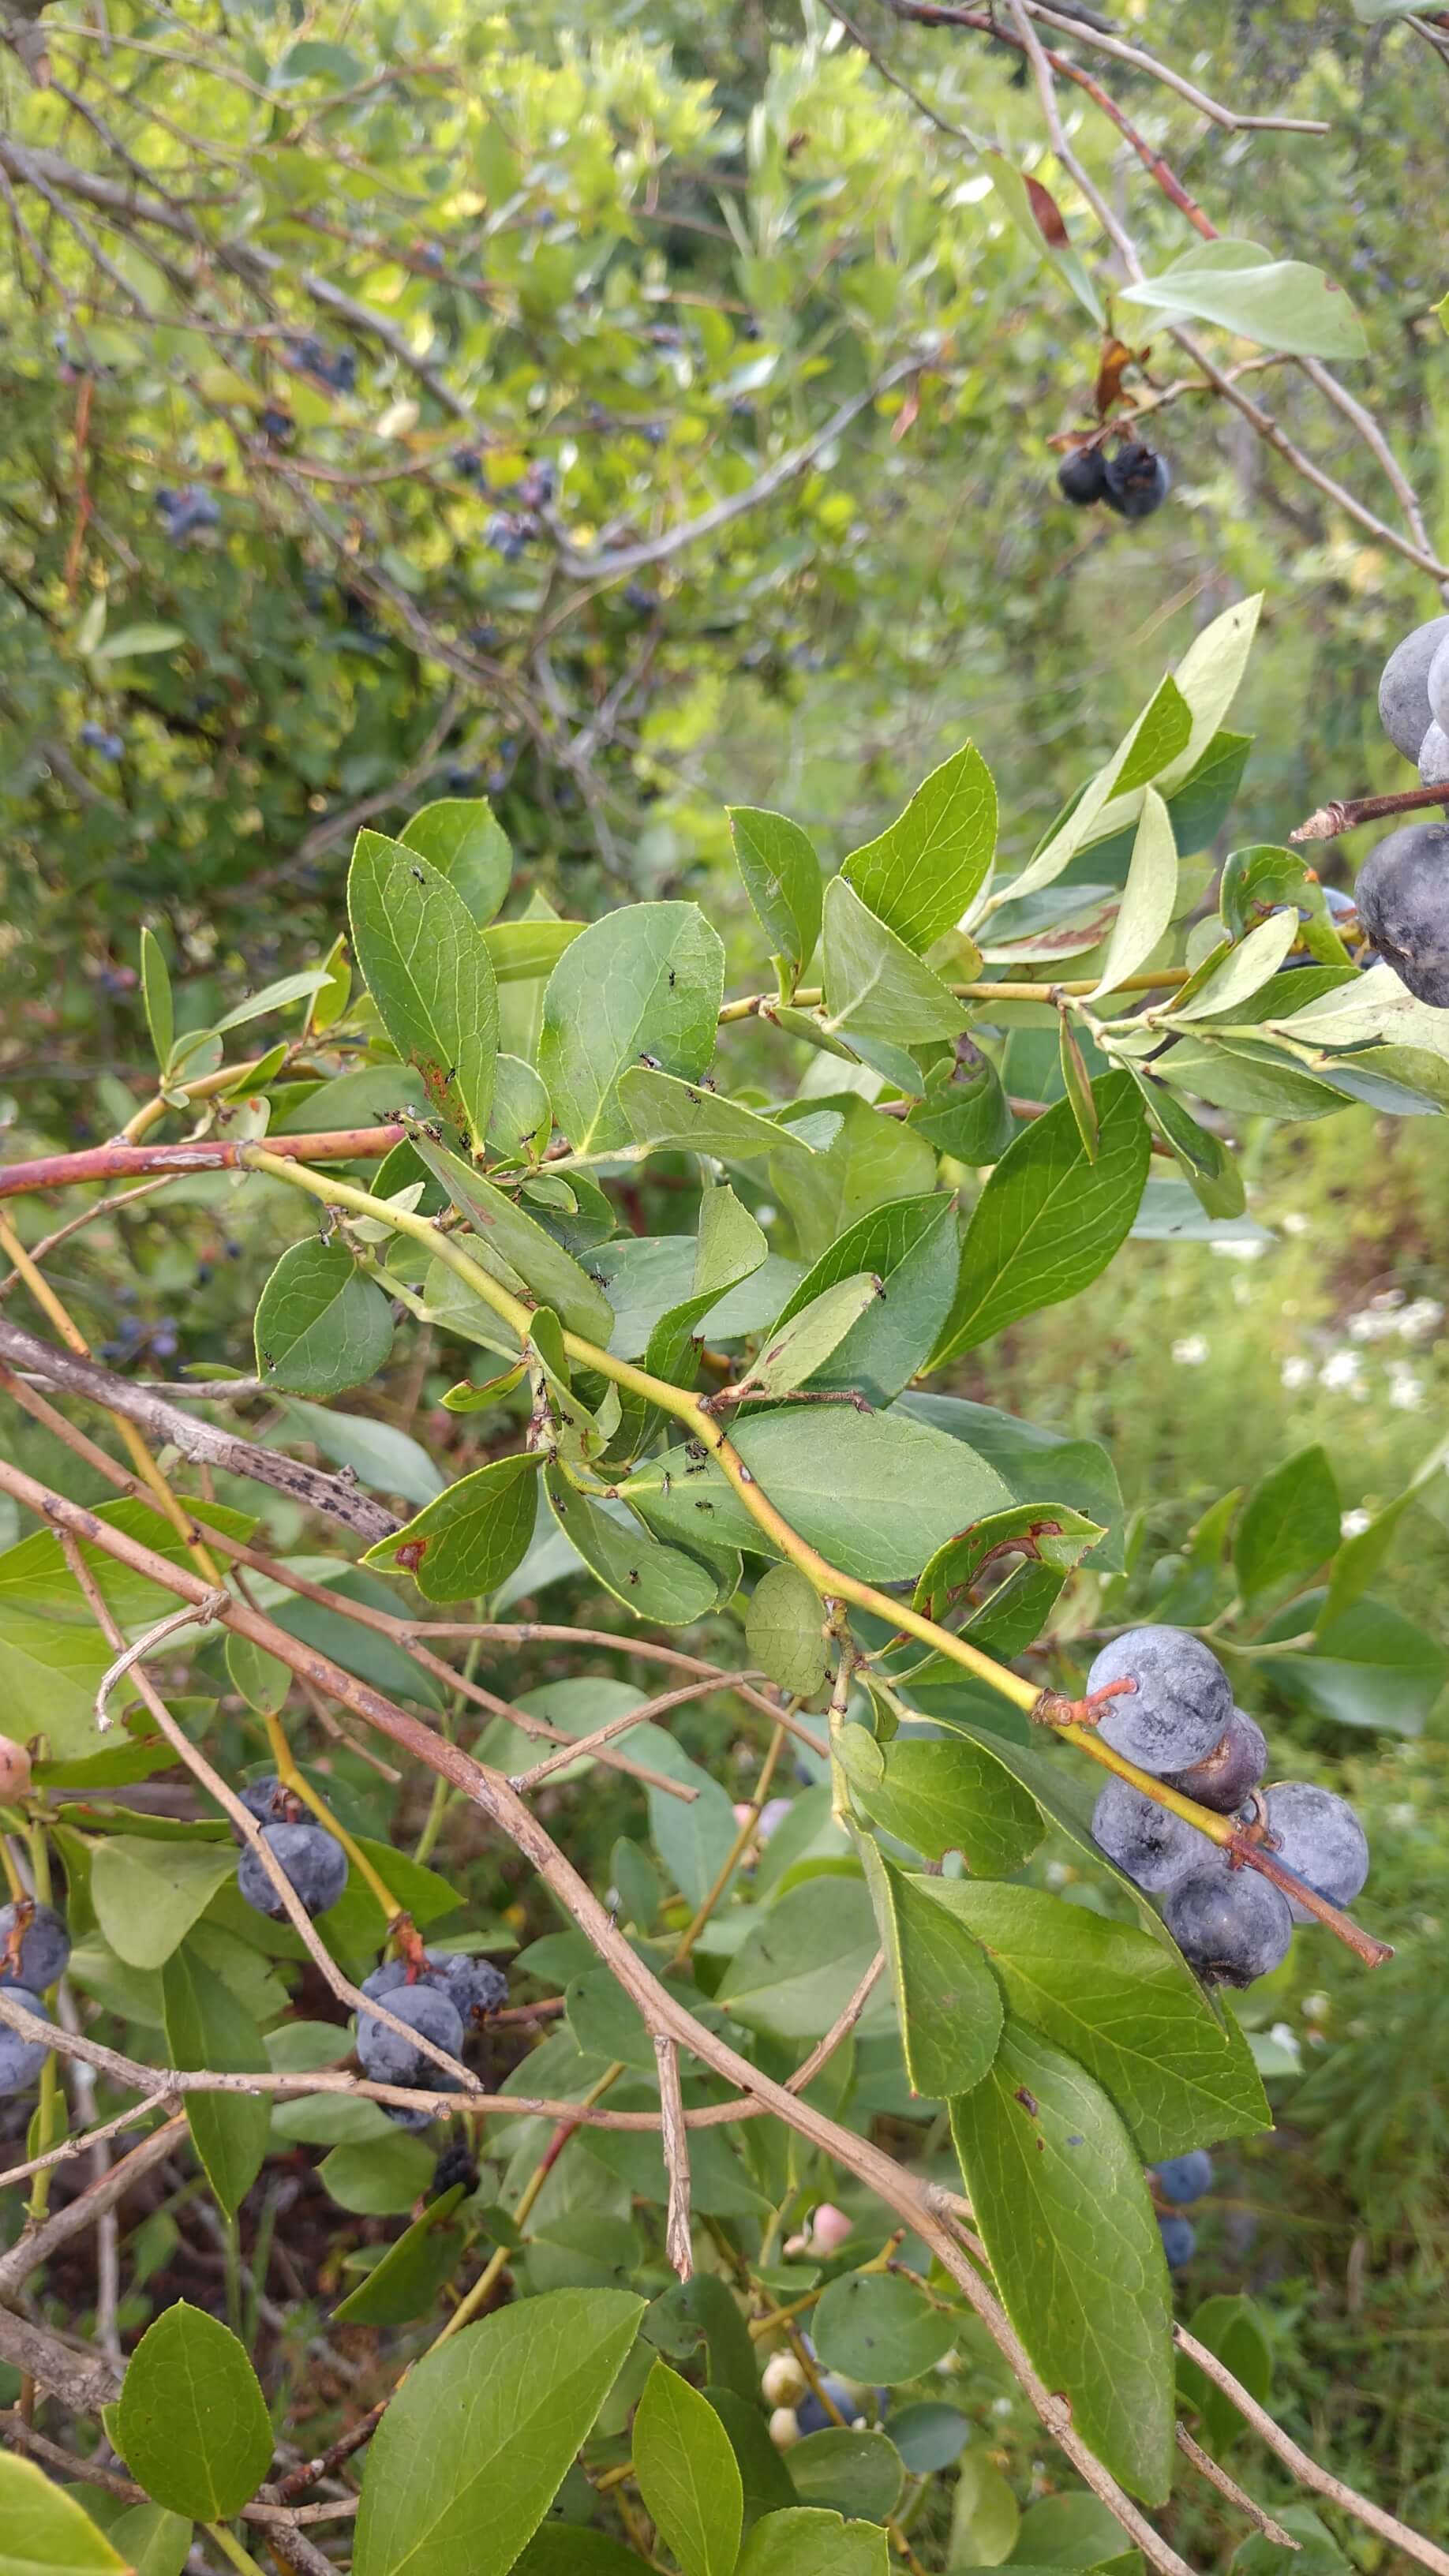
pixel 1180 1706
pixel 1230 1925
pixel 1082 477
pixel 34 1946
pixel 1155 1848
pixel 311 1858
pixel 1179 2241
pixel 388 2059
pixel 21 2059
pixel 1235 1765
pixel 1319 1838
pixel 1136 482
pixel 1185 2178
pixel 1403 906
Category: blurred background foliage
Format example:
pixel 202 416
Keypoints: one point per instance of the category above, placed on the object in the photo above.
pixel 438 306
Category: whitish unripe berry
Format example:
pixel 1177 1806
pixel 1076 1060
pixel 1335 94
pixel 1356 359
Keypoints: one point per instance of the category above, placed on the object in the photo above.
pixel 1235 1765
pixel 1179 1707
pixel 1403 906
pixel 1404 709
pixel 782 2380
pixel 1154 1847
pixel 1319 1838
pixel 1230 1924
pixel 784 2428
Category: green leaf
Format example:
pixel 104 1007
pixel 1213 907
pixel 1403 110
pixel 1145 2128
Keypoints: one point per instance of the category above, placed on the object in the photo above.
pixel 1368 1666
pixel 142 637
pixel 790 1355
pixel 49 1676
pixel 767 2483
pixel 261 1679
pixel 320 1326
pixel 471 1536
pixel 560 2549
pixel 378 2177
pixel 965 1112
pixel 784 1630
pixel 667 1114
pixel 429 973
pixel 207 2027
pixel 192 2421
pixel 1233 2331
pixel 870 1160
pixel 476 2443
pixel 687 2474
pixel 652 1580
pixel 1123 2004
pixel 880 2330
pixel 782 878
pixel 1059 2200
pixel 1242 971
pixel 1046 1542
pixel 46 2533
pixel 1077 1086
pixel 517 1251
pixel 1158 739
pixel 703 2308
pixel 1211 1173
pixel 947 2000
pixel 848 2472
pixel 156 998
pixel 1074 2529
pixel 911 1246
pixel 524 952
pixel 646 980
pixel 875 986
pixel 1021 204
pixel 803 2541
pixel 944 1793
pixel 985 2516
pixel 922 872
pixel 1149 898
pixel 154 2542
pixel 461 838
pixel 1289 1525
pixel 1280 303
pixel 1048 1221
pixel 148 1894
pixel 799 1964
pixel 929 2435
pixel 877 1493
pixel 274 997
pixel 730 1246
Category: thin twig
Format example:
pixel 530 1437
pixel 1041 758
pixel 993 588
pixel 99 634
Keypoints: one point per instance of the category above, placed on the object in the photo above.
pixel 37 2244
pixel 524 1781
pixel 1207 2467
pixel 678 2243
pixel 1305 2468
pixel 199 1614
pixel 1345 815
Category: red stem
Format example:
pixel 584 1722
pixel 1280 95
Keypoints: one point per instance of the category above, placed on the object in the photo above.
pixel 199 1154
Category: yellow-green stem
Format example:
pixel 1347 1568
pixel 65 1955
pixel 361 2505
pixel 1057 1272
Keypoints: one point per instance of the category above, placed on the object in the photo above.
pixel 468 2307
pixel 734 1856
pixel 231 2548
pixel 291 1778
pixel 755 1005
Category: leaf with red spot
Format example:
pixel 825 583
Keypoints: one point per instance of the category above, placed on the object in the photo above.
pixel 467 1539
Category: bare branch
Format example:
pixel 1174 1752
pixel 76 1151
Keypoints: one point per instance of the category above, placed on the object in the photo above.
pixel 37 2244
pixel 1207 2467
pixel 631 1717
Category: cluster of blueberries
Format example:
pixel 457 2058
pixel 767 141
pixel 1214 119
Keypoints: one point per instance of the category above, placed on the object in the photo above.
pixel 1134 482
pixel 34 1951
pixel 1181 2180
pixel 334 367
pixel 183 512
pixel 1172 1714
pixel 451 1994
pixel 1403 885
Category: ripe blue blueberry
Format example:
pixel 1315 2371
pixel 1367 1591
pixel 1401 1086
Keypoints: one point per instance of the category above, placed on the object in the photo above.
pixel 1135 482
pixel 1319 1838
pixel 474 1987
pixel 1231 1925
pixel 1155 1848
pixel 849 2400
pixel 1404 709
pixel 270 1803
pixel 1185 2178
pixel 21 2059
pixel 1179 2241
pixel 1181 1704
pixel 1403 905
pixel 34 1946
pixel 1434 757
pixel 1235 1765
pixel 389 2059
pixel 1082 477
pixel 1437 684
pixel 313 1860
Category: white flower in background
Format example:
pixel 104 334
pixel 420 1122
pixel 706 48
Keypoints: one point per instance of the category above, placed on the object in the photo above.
pixel 1371 1324
pixel 1353 1524
pixel 1406 1392
pixel 1296 1371
pixel 1252 1250
pixel 1340 1370
pixel 1295 1222
pixel 1420 1319
pixel 1191 1351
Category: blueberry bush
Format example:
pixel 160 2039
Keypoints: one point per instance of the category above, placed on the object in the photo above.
pixel 729 2138
pixel 708 1907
